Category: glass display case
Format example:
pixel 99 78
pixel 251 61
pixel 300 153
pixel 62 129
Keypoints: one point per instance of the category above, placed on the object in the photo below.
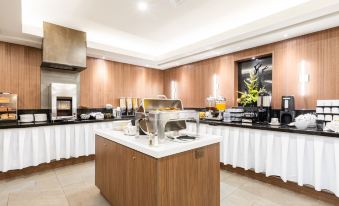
pixel 8 106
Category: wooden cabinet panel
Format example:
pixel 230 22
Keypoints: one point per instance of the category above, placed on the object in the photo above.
pixel 127 177
pixel 124 176
pixel 141 177
pixel 190 178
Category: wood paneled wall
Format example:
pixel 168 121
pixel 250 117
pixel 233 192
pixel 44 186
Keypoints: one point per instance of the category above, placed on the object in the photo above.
pixel 104 82
pixel 20 73
pixel 320 51
pixel 101 83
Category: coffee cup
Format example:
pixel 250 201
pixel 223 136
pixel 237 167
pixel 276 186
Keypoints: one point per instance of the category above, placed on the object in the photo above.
pixel 130 130
pixel 328 118
pixel 327 110
pixel 335 110
pixel 321 117
pixel 274 121
pixel 319 110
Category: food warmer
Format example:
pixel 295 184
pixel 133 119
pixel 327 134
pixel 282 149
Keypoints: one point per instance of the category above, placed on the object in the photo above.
pixel 8 106
pixel 161 118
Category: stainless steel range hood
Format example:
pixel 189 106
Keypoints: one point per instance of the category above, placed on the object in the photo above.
pixel 63 48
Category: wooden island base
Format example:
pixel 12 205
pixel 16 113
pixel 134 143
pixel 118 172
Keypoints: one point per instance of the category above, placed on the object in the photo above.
pixel 127 177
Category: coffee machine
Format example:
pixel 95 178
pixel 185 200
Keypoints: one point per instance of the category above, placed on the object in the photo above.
pixel 287 113
pixel 264 108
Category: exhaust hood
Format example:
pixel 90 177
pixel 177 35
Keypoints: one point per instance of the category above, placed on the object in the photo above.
pixel 63 48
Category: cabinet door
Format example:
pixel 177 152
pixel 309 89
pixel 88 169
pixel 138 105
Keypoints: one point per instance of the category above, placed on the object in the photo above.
pixel 116 177
pixel 101 167
pixel 141 179
pixel 190 178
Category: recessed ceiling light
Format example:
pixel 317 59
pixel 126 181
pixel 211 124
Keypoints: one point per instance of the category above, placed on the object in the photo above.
pixel 253 58
pixel 142 6
pixel 285 35
pixel 103 57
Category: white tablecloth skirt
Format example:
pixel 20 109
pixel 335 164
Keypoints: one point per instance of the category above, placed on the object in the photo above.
pixel 304 159
pixel 24 147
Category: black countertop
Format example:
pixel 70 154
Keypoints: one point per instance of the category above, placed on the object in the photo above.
pixel 15 124
pixel 283 128
pixel 309 131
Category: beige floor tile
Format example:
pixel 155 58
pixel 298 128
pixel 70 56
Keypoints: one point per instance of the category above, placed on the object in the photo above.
pixel 242 198
pixel 224 175
pixel 279 195
pixel 15 185
pixel 84 173
pixel 37 198
pixel 84 194
pixel 3 200
pixel 235 180
pixel 226 189
pixel 74 185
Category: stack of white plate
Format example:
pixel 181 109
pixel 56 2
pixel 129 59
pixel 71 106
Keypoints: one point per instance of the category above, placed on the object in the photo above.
pixel 40 117
pixel 26 118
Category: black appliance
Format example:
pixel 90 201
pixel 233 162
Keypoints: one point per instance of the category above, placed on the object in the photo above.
pixel 287 113
pixel 264 108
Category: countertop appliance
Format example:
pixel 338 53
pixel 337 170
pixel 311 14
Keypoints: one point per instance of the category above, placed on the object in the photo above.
pixel 63 101
pixel 287 113
pixel 264 108
pixel 8 107
pixel 216 107
pixel 160 118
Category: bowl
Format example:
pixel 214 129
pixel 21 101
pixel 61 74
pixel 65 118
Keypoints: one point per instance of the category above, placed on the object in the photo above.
pixel 319 110
pixel 301 124
pixel 335 103
pixel 335 110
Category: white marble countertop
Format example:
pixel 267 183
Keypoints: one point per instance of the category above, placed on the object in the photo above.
pixel 166 148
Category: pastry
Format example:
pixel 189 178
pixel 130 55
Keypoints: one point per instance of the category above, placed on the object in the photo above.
pixel 4 116
pixel 11 116
pixel 4 100
pixel 3 109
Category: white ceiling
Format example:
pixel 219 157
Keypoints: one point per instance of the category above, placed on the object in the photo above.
pixel 167 34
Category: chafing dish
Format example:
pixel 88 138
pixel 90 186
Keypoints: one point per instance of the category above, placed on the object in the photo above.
pixel 159 117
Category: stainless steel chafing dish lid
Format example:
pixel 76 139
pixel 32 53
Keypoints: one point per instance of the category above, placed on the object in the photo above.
pixel 149 104
pixel 166 106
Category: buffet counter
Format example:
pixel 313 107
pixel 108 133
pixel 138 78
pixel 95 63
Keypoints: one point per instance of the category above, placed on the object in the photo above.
pixel 291 154
pixel 28 145
pixel 283 128
pixel 16 124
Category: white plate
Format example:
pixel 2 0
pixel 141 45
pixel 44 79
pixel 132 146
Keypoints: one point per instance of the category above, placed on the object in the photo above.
pixel 274 124
pixel 292 124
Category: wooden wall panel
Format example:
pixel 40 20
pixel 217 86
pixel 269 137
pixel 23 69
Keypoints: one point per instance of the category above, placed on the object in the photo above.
pixel 103 82
pixel 320 51
pixel 20 73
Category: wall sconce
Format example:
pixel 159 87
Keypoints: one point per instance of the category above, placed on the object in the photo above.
pixel 215 85
pixel 304 77
pixel 173 89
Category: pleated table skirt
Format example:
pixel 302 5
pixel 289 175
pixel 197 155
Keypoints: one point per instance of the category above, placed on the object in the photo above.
pixel 24 147
pixel 304 159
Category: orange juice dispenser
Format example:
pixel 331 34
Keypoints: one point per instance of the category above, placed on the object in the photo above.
pixel 215 106
pixel 220 104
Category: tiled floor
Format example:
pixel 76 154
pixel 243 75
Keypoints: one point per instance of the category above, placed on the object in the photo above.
pixel 74 185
